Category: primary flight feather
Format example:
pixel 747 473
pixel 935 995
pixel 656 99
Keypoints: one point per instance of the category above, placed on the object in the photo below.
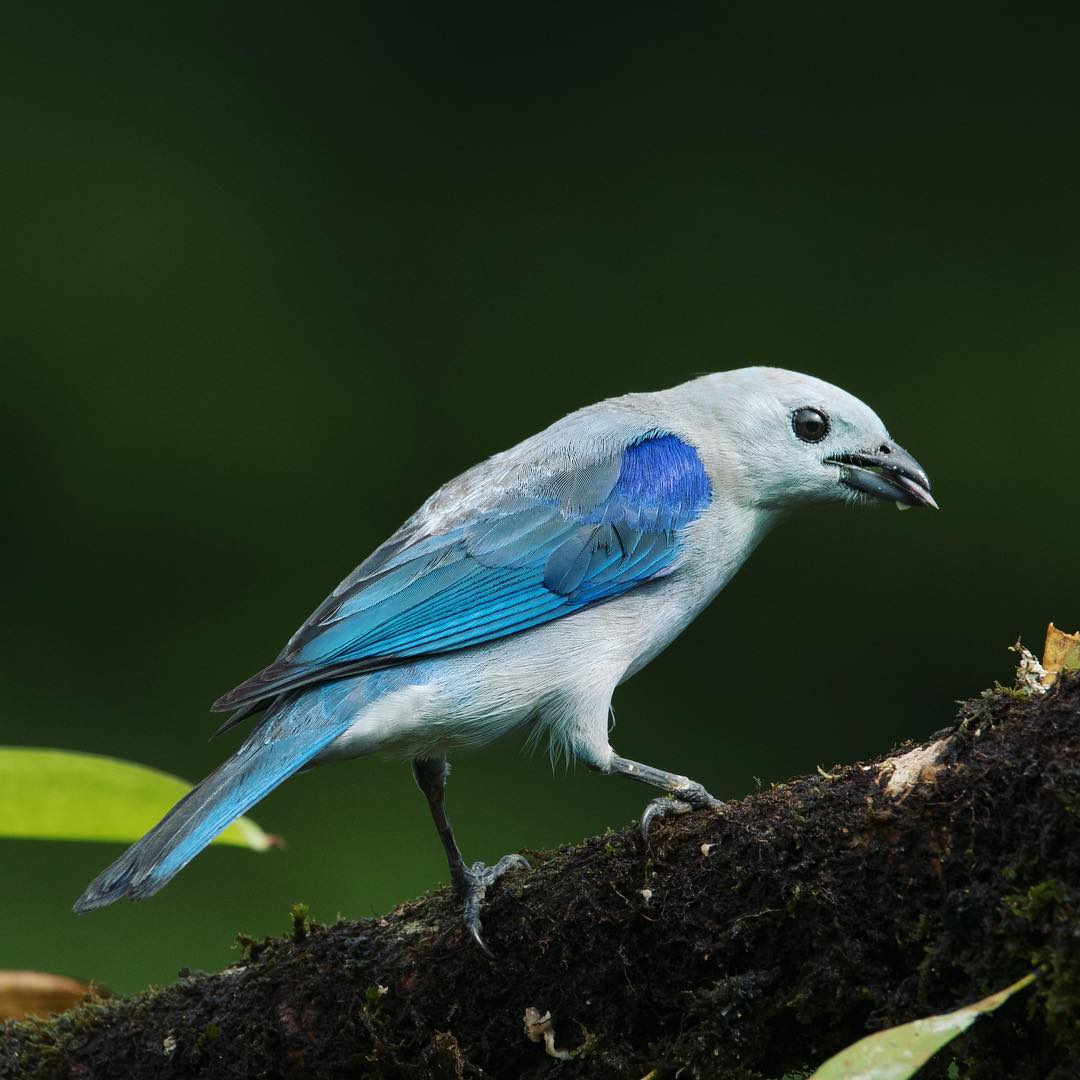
pixel 525 590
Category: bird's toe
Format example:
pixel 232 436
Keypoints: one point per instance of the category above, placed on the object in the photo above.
pixel 681 801
pixel 664 806
pixel 478 878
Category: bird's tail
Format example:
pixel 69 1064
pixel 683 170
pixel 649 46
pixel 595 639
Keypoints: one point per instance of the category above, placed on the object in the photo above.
pixel 229 791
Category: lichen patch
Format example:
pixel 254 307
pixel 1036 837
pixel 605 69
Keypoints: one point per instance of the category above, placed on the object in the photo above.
pixel 918 766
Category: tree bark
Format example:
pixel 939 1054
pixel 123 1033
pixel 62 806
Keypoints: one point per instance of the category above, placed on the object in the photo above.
pixel 751 942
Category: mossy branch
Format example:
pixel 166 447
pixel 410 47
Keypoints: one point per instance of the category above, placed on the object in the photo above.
pixel 749 943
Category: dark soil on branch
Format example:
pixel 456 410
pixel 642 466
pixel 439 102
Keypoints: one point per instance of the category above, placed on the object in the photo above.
pixel 749 943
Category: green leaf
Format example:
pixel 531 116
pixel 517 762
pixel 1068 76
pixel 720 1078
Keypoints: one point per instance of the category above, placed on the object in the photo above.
pixel 63 795
pixel 900 1052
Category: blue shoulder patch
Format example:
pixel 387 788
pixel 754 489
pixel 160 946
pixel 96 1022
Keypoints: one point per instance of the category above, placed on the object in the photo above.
pixel 659 472
pixel 662 486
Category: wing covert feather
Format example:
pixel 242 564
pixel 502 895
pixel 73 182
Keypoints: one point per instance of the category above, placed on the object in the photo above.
pixel 540 545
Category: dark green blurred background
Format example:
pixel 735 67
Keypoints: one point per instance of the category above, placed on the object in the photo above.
pixel 267 279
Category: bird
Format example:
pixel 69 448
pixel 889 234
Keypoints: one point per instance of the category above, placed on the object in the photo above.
pixel 525 591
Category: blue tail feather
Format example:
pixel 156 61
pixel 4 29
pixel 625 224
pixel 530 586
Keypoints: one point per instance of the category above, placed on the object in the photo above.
pixel 228 792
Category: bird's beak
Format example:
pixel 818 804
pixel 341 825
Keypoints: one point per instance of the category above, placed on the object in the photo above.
pixel 889 472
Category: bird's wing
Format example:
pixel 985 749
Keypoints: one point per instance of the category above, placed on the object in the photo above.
pixel 540 543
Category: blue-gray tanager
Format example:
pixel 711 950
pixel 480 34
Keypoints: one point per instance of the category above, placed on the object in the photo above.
pixel 521 594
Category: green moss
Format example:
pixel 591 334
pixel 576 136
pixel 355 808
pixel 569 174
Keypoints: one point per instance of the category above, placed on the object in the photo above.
pixel 208 1036
pixel 1015 692
pixel 1051 911
pixel 298 912
pixel 918 932
pixel 1038 902
pixel 250 948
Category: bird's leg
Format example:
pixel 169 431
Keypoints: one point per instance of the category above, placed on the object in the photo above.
pixel 683 796
pixel 430 775
pixel 470 882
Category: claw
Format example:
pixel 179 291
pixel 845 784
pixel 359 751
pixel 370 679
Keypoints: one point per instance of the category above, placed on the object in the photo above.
pixel 474 929
pixel 694 797
pixel 665 806
pixel 478 878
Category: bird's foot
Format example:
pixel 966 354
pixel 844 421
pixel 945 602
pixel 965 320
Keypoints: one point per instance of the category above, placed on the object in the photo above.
pixel 477 879
pixel 683 799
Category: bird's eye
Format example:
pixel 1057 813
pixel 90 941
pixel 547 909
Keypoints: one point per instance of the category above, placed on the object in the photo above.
pixel 811 425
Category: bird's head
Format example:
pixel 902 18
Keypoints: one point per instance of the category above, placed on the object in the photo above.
pixel 795 439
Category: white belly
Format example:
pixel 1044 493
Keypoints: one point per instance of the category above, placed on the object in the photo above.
pixel 559 676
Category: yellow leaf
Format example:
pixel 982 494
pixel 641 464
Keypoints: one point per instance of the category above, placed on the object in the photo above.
pixel 1060 653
